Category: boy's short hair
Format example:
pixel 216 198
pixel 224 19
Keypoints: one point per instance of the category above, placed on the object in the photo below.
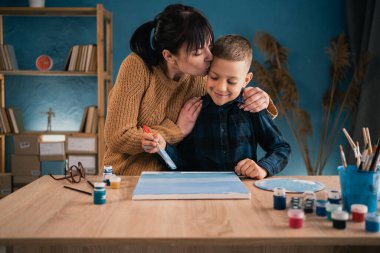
pixel 233 48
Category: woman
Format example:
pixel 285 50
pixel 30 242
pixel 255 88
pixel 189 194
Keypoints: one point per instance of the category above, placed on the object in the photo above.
pixel 167 67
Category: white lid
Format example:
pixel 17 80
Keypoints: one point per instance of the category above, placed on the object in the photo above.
pixel 99 184
pixel 374 217
pixel 333 207
pixel 359 208
pixel 321 202
pixel 115 179
pixel 279 191
pixel 308 195
pixel 296 213
pixel 333 194
pixel 339 215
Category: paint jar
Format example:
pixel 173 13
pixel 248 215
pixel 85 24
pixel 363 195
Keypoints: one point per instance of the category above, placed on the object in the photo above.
pixel 308 206
pixel 308 195
pixel 321 207
pixel 296 217
pixel 99 193
pixel 115 182
pixel 107 173
pixel 358 212
pixel 372 222
pixel 339 219
pixel 279 198
pixel 330 208
pixel 334 197
pixel 359 187
pixel 295 203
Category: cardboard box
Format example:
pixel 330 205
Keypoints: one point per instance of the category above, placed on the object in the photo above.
pixel 25 165
pixel 88 162
pixel 52 151
pixel 26 144
pixel 23 180
pixel 53 167
pixel 5 184
pixel 81 145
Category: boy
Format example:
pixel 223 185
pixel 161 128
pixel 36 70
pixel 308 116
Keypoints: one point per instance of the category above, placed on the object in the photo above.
pixel 224 137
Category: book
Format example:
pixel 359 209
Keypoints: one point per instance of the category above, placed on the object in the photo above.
pixel 83 122
pixel 12 56
pixel 73 58
pixel 190 185
pixel 15 120
pixel 89 119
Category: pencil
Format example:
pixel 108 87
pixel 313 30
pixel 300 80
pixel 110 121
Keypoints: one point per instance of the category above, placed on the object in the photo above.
pixel 344 163
pixel 352 143
pixel 77 190
pixel 90 183
pixel 375 158
pixel 369 141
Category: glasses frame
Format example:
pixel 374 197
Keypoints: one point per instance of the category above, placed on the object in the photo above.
pixel 72 175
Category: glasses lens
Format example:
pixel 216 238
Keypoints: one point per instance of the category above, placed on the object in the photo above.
pixel 75 174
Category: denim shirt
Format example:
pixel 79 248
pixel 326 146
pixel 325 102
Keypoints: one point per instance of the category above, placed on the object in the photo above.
pixel 225 135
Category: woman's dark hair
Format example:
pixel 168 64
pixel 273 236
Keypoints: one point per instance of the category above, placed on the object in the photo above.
pixel 171 28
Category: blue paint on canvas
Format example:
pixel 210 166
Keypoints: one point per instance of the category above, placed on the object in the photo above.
pixel 189 183
pixel 291 185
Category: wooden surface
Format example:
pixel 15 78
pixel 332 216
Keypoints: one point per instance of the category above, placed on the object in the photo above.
pixel 44 213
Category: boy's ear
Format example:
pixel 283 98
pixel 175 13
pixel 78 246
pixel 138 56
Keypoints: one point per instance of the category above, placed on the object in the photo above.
pixel 168 56
pixel 248 78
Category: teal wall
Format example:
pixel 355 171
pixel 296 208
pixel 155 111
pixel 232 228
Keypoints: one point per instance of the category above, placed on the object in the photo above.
pixel 304 26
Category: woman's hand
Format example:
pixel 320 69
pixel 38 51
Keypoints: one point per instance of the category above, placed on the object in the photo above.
pixel 249 168
pixel 255 99
pixel 189 114
pixel 150 142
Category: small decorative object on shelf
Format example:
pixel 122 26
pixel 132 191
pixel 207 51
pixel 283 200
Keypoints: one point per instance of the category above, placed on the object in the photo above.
pixel 49 113
pixel 37 3
pixel 44 63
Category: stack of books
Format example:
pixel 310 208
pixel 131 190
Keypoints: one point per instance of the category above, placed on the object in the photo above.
pixel 8 59
pixel 82 58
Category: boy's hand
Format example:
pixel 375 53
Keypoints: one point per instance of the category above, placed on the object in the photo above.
pixel 189 114
pixel 150 142
pixel 255 99
pixel 249 168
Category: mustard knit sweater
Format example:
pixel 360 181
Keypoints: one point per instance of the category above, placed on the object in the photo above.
pixel 140 97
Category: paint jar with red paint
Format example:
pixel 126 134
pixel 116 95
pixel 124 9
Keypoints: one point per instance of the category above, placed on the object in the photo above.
pixel 358 212
pixel 296 217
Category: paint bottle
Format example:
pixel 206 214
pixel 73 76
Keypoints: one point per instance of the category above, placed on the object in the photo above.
pixel 308 195
pixel 308 206
pixel 339 219
pixel 115 182
pixel 99 193
pixel 330 208
pixel 358 212
pixel 334 197
pixel 372 222
pixel 296 217
pixel 321 207
pixel 279 198
pixel 295 203
pixel 107 173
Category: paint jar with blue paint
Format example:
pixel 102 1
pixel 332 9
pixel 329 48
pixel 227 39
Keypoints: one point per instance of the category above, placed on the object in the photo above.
pixel 100 193
pixel 372 222
pixel 334 197
pixel 330 208
pixel 321 207
pixel 279 198
pixel 359 187
pixel 107 174
pixel 339 219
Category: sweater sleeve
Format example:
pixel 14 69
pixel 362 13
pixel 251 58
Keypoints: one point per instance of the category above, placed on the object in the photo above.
pixel 121 133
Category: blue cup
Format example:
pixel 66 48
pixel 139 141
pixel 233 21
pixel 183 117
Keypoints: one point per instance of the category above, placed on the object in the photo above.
pixel 359 187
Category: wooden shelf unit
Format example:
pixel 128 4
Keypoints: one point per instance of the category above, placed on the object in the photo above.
pixel 104 62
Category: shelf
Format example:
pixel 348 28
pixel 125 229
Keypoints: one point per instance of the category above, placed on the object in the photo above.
pixel 51 133
pixel 49 11
pixel 45 73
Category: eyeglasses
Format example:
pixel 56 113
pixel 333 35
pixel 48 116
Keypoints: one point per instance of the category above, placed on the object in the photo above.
pixel 73 174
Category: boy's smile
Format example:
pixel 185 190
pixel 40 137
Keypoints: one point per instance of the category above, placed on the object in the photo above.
pixel 226 79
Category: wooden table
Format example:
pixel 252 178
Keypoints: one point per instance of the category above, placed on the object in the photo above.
pixel 45 217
